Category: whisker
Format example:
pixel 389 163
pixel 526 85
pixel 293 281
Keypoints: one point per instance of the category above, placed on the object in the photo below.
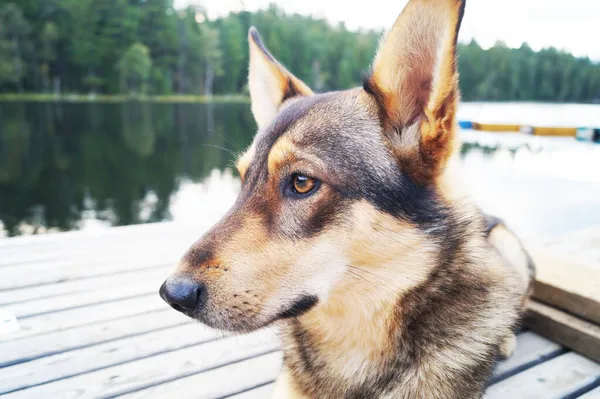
pixel 232 141
pixel 221 148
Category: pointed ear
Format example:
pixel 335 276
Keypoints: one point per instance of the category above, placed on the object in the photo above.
pixel 270 83
pixel 415 82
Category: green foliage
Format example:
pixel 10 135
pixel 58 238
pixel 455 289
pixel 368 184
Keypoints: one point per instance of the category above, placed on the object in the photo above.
pixel 135 67
pixel 14 44
pixel 98 46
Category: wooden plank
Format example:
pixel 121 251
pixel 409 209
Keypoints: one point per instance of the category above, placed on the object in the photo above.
pixel 81 299
pixel 20 350
pixel 142 373
pixel 96 357
pixel 219 382
pixel 531 350
pixel 34 280
pixel 555 378
pixel 25 241
pixel 583 246
pixel 92 314
pixel 567 284
pixel 45 292
pixel 593 394
pixel 105 247
pixel 570 331
pixel 167 252
pixel 262 392
pixel 45 241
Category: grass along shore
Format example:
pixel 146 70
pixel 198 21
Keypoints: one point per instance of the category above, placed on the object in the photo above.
pixel 117 98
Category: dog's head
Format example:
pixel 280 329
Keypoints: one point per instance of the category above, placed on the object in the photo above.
pixel 337 186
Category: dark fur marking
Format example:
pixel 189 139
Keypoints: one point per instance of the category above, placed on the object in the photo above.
pixel 325 214
pixel 491 223
pixel 299 307
pixel 196 257
pixel 374 91
pixel 258 41
pixel 461 13
pixel 290 90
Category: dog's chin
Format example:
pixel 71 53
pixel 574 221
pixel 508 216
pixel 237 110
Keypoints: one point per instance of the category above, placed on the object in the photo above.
pixel 241 324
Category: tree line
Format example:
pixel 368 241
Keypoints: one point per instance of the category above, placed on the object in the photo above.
pixel 149 47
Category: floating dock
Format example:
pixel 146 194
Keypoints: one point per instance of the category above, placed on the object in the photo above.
pixel 591 134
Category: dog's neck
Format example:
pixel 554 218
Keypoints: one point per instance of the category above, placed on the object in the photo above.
pixel 354 335
pixel 356 324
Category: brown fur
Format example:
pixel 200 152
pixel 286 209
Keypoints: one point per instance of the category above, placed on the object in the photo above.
pixel 385 280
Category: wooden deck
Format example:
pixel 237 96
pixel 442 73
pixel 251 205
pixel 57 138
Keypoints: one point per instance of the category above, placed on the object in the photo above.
pixel 93 326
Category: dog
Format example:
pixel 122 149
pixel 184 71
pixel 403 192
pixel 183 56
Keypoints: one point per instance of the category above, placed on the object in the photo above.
pixel 352 234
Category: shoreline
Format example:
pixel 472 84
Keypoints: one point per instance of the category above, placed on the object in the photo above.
pixel 119 98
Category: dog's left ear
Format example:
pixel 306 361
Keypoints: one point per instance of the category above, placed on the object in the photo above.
pixel 270 83
pixel 415 83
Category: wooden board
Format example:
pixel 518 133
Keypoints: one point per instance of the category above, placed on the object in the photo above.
pixel 567 284
pixel 92 314
pixel 16 351
pixel 219 382
pixel 261 392
pixel 15 278
pixel 93 326
pixel 555 378
pixel 593 394
pixel 44 292
pixel 83 299
pixel 568 330
pixel 95 357
pixel 142 373
pixel 531 350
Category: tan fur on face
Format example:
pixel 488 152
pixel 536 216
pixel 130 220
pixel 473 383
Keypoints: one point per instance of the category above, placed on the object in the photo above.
pixel 281 152
pixel 352 326
pixel 243 161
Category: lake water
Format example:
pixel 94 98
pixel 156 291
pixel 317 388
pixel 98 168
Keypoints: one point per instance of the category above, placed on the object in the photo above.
pixel 67 166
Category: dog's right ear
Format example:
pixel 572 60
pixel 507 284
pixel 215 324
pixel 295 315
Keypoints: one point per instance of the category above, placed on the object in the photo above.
pixel 270 83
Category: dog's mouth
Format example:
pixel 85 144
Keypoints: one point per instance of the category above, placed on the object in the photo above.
pixel 300 307
pixel 235 320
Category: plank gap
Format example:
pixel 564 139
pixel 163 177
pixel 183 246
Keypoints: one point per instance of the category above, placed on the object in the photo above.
pixel 28 316
pixel 257 386
pixel 584 390
pixel 184 375
pixel 51 353
pixel 79 278
pixel 91 370
pixel 528 365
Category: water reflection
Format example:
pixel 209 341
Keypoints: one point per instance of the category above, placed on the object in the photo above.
pixel 116 163
pixel 73 166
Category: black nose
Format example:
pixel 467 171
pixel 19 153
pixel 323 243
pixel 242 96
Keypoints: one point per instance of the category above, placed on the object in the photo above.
pixel 182 293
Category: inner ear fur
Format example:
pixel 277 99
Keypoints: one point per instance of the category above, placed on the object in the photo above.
pixel 414 80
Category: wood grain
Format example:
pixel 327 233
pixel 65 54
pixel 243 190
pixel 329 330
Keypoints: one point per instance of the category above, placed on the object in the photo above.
pixel 67 364
pixel 220 382
pixel 570 331
pixel 567 284
pixel 47 344
pixel 531 350
pixel 555 378
pixel 161 368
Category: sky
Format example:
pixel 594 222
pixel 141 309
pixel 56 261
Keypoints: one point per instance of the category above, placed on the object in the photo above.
pixel 572 25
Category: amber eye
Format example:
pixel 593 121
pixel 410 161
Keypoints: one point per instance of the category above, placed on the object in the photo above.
pixel 303 184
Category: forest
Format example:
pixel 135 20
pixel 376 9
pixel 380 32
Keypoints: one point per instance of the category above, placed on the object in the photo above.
pixel 149 47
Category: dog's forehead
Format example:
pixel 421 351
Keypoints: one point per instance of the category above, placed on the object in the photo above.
pixel 334 122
